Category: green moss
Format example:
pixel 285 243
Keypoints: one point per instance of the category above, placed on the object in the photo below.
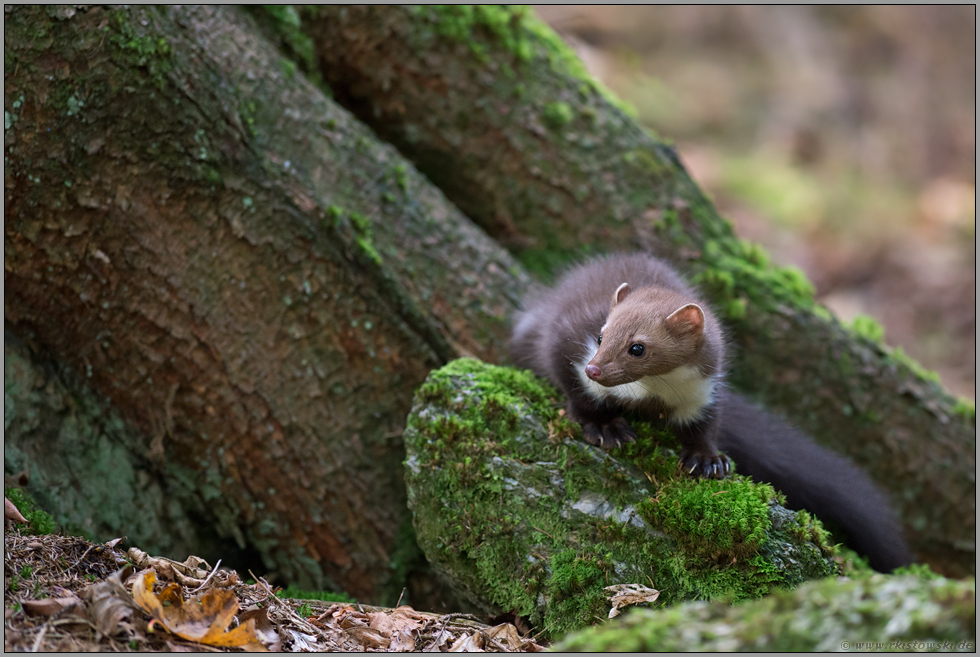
pixel 247 111
pixel 142 51
pixel 921 570
pixel 875 613
pixel 557 114
pixel 735 273
pixel 355 227
pixel 326 596
pixel 966 409
pixel 39 522
pixel 520 32
pixel 522 515
pixel 401 177
pixel 899 356
pixel 287 23
pixel 727 518
pixel 868 328
pixel 646 161
pixel 576 587
pixel 737 309
pixel 463 23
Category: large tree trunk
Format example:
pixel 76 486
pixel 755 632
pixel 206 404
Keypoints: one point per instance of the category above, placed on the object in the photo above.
pixel 249 277
pixel 495 109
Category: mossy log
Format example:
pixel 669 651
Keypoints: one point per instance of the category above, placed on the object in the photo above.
pixel 873 614
pixel 520 516
pixel 241 270
pixel 491 106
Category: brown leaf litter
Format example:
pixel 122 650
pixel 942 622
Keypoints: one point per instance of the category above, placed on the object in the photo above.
pixel 69 595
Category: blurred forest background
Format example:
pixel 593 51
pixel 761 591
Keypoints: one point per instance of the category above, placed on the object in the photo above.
pixel 843 139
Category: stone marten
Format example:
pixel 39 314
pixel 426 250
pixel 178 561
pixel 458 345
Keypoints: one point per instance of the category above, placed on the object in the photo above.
pixel 625 334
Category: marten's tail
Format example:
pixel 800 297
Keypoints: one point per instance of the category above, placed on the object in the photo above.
pixel 813 478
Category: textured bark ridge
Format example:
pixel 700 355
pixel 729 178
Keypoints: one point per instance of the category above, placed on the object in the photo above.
pixel 95 473
pixel 245 273
pixel 492 106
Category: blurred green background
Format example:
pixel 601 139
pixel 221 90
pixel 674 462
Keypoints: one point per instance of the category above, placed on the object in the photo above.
pixel 843 139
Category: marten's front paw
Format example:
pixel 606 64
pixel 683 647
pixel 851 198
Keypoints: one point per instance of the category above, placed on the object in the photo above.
pixel 608 434
pixel 706 464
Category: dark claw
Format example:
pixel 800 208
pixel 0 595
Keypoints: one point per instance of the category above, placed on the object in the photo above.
pixel 616 433
pixel 610 434
pixel 592 434
pixel 708 466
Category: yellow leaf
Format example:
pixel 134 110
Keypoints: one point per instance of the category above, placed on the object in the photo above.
pixel 204 619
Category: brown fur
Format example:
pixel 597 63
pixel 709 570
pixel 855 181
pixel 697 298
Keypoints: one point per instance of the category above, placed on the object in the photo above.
pixel 673 330
pixel 560 326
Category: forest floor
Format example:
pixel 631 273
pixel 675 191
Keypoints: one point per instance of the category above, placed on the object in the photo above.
pixel 66 594
pixel 842 139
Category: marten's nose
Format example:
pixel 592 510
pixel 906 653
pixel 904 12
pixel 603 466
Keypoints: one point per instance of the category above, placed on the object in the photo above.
pixel 593 371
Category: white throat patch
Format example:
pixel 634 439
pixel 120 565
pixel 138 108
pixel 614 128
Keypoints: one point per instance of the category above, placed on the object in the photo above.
pixel 683 390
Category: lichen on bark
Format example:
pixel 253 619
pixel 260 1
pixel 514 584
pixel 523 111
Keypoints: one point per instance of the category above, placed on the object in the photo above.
pixel 516 511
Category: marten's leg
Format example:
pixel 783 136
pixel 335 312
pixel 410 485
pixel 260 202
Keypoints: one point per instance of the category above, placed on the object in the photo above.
pixel 699 446
pixel 601 425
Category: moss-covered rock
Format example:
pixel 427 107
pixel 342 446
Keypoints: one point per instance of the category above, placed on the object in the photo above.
pixel 519 515
pixel 882 612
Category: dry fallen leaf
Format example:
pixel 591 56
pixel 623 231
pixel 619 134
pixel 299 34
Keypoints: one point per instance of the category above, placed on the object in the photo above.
pixel 506 635
pixel 49 606
pixel 402 641
pixel 397 625
pixel 264 629
pixel 389 622
pixel 468 643
pixel 438 642
pixel 192 573
pixel 204 618
pixel 109 606
pixel 302 642
pixel 10 512
pixel 367 637
pixel 629 594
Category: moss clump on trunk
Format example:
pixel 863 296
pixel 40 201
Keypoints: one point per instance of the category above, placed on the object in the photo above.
pixel 519 515
pixel 882 612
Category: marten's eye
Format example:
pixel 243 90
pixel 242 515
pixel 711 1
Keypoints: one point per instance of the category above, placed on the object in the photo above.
pixel 599 341
pixel 636 350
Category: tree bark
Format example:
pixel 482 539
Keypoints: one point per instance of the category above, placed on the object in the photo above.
pixel 241 269
pixel 493 108
pixel 78 458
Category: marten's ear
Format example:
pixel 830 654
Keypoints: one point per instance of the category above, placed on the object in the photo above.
pixel 621 293
pixel 688 320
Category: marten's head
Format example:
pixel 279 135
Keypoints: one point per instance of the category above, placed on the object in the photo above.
pixel 649 331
